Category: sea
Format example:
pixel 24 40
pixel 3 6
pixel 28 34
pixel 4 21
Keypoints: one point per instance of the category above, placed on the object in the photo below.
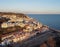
pixel 51 20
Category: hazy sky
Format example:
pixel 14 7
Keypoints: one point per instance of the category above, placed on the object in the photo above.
pixel 31 6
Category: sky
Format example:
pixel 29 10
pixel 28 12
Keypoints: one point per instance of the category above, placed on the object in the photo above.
pixel 31 6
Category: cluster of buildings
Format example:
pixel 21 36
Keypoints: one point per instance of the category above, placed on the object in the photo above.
pixel 26 24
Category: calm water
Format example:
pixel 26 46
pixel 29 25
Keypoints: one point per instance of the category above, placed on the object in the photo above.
pixel 52 20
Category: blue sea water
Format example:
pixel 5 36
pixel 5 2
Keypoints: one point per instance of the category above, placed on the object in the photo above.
pixel 52 20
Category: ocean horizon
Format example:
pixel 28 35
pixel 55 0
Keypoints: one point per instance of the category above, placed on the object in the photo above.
pixel 51 20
